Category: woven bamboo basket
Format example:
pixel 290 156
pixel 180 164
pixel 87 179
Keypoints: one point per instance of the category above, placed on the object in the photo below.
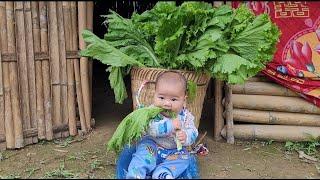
pixel 140 75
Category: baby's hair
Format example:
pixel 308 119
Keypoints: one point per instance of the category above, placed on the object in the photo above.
pixel 176 76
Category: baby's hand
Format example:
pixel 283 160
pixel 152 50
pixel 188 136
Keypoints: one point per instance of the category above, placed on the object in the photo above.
pixel 176 123
pixel 182 136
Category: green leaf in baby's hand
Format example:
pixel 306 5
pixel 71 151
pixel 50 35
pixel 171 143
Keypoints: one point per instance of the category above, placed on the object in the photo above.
pixel 132 127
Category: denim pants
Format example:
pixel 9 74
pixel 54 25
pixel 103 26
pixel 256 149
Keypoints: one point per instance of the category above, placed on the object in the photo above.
pixel 162 163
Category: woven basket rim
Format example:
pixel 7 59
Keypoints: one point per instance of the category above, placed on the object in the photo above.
pixel 163 69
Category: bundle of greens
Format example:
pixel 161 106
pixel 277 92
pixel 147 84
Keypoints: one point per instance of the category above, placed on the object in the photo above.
pixel 132 127
pixel 229 44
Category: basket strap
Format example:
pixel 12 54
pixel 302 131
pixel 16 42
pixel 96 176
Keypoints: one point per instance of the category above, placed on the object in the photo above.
pixel 139 92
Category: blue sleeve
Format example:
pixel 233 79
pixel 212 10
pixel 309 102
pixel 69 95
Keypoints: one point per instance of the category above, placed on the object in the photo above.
pixel 190 130
pixel 160 127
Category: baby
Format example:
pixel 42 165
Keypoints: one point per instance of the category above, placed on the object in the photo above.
pixel 157 151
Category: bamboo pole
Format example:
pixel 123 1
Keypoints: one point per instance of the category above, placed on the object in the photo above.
pixel 39 86
pixel 90 7
pixel 77 68
pixel 259 79
pixel 5 106
pixel 55 65
pixel 31 66
pixel 63 67
pixel 262 88
pixel 23 65
pixel 71 94
pixel 84 64
pixel 271 117
pixel 229 113
pixel 13 78
pixel 274 132
pixel 274 103
pixel 218 109
pixel 46 70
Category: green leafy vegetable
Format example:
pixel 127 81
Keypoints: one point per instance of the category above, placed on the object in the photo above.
pixel 191 90
pixel 132 127
pixel 229 44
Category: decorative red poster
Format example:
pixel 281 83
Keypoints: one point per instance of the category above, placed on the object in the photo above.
pixel 296 64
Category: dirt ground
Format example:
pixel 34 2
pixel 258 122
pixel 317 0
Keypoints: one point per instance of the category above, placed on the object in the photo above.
pixel 86 157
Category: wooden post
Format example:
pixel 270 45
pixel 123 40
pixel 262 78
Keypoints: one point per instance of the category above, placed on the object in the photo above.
pixel 84 65
pixel 13 78
pixel 23 65
pixel 6 113
pixel 77 68
pixel 70 70
pixel 90 7
pixel 218 109
pixel 228 112
pixel 55 65
pixel 46 70
pixel 31 67
pixel 63 67
pixel 39 86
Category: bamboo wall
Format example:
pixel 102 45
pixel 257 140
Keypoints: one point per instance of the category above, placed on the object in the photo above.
pixel 44 84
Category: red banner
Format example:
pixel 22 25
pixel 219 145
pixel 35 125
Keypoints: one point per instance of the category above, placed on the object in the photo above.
pixel 296 64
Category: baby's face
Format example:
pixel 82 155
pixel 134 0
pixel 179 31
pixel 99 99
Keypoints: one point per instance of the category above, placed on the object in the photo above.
pixel 170 96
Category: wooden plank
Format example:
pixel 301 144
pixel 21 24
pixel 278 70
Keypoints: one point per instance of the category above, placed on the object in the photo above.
pixel 84 64
pixel 229 113
pixel 13 74
pixel 280 133
pixel 23 65
pixel 272 117
pixel 46 70
pixel 38 68
pixel 30 64
pixel 55 65
pixel 63 66
pixel 262 88
pixel 70 71
pixel 218 109
pixel 274 103
pixel 76 64
pixel 5 103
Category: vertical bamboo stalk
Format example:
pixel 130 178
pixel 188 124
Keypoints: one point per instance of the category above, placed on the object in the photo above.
pixel 31 66
pixel 39 87
pixel 218 109
pixel 23 65
pixel 76 68
pixel 229 114
pixel 55 64
pixel 46 70
pixel 63 66
pixel 13 74
pixel 84 64
pixel 71 94
pixel 5 106
pixel 90 7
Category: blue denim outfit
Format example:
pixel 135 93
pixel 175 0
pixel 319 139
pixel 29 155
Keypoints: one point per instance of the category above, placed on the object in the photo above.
pixel 157 152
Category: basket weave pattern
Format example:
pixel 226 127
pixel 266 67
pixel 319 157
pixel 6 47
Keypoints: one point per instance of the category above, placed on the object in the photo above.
pixel 139 75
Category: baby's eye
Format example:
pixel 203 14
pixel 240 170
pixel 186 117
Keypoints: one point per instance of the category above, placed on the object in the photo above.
pixel 161 98
pixel 173 99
